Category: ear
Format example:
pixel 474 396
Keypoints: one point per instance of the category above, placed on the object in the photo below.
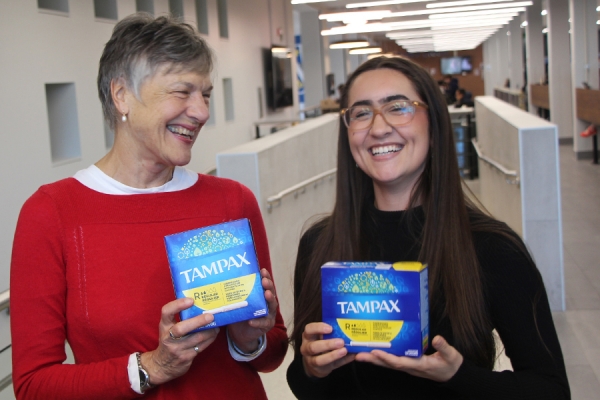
pixel 119 93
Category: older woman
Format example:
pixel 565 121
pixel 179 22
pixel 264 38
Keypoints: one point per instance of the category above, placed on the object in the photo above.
pixel 89 265
pixel 399 198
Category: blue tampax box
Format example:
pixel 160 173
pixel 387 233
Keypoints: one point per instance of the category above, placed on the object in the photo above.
pixel 377 305
pixel 217 267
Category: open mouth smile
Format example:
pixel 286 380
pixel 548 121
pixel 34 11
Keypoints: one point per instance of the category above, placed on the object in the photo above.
pixel 181 131
pixel 382 150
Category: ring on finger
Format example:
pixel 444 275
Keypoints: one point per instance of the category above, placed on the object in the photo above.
pixel 173 336
pixel 196 349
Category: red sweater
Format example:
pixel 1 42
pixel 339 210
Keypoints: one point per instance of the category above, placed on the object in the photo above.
pixel 91 269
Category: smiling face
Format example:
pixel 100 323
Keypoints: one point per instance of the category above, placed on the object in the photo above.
pixel 163 123
pixel 392 156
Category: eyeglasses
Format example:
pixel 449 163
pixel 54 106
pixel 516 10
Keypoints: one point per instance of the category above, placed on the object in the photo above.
pixel 395 113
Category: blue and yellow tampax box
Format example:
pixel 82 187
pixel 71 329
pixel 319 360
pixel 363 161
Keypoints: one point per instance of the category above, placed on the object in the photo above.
pixel 377 305
pixel 217 267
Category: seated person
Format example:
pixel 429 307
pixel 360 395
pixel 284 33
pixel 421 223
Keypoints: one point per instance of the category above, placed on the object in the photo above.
pixel 463 97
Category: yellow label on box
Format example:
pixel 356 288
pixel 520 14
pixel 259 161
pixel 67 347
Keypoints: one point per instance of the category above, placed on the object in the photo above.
pixel 360 330
pixel 222 294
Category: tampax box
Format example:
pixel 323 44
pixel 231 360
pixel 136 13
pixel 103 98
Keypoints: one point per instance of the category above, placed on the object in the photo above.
pixel 217 267
pixel 377 305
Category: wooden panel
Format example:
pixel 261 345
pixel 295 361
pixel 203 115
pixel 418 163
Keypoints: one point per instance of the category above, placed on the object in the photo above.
pixel 588 105
pixel 539 96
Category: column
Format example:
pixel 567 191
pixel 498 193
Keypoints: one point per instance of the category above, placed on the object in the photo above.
pixel 584 61
pixel 534 48
pixel 515 54
pixel 313 63
pixel 559 68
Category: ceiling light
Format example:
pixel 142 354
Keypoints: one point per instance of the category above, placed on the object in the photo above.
pixel 544 12
pixel 309 1
pixel 352 15
pixel 449 17
pixel 382 3
pixel 462 3
pixel 459 9
pixel 481 13
pixel 545 30
pixel 428 32
pixel 365 50
pixel 348 44
pixel 277 49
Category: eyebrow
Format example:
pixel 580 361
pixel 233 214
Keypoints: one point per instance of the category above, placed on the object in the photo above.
pixel 381 101
pixel 191 86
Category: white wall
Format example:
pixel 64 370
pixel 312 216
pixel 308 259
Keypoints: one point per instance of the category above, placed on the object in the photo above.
pixel 40 48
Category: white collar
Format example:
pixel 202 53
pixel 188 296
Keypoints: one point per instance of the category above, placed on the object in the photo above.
pixel 95 179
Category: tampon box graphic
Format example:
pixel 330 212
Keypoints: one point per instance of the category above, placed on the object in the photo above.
pixel 217 267
pixel 377 305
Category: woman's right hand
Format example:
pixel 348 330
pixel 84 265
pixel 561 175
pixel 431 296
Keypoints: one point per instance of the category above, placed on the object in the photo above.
pixel 319 356
pixel 176 351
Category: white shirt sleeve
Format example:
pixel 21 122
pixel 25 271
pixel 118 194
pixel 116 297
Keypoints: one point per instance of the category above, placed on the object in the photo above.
pixel 134 374
pixel 239 355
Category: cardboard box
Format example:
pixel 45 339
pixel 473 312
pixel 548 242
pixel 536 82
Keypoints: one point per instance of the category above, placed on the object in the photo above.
pixel 377 305
pixel 217 267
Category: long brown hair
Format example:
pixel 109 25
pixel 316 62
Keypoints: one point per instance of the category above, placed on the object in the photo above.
pixel 455 281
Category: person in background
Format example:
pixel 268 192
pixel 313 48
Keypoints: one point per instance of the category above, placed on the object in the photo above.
pixel 89 264
pixel 463 98
pixel 399 198
pixel 450 84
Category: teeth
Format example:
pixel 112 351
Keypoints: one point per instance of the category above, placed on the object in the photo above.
pixel 386 149
pixel 180 130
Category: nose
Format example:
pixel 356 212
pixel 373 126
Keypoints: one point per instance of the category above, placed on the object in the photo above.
pixel 379 127
pixel 198 108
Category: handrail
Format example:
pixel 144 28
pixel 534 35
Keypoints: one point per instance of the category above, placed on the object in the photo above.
pixel 296 188
pixel 507 172
pixel 4 299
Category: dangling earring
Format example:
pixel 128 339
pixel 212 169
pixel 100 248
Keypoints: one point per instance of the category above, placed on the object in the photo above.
pixel 124 118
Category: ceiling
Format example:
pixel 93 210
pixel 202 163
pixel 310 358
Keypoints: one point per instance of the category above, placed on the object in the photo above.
pixel 420 38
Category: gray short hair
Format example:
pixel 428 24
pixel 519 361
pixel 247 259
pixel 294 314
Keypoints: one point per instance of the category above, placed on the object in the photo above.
pixel 141 44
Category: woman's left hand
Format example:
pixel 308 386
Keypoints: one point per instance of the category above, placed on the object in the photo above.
pixel 439 367
pixel 245 334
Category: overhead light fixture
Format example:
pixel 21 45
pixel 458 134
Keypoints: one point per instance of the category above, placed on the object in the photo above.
pixel 279 49
pixel 409 25
pixel 450 17
pixel 460 9
pixel 349 44
pixel 309 1
pixel 366 50
pixel 545 30
pixel 383 3
pixel 481 13
pixel 462 3
pixel 428 32
pixel 355 15
pixel 524 24
pixel 544 12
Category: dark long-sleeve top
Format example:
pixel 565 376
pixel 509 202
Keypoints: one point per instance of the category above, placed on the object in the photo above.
pixel 511 283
